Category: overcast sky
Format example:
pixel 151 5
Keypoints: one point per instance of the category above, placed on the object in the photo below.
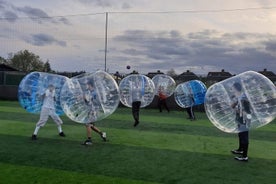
pixel 199 35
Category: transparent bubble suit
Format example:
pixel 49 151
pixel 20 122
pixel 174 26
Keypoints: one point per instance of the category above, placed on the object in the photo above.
pixel 259 91
pixel 190 93
pixel 164 84
pixel 136 87
pixel 90 97
pixel 33 86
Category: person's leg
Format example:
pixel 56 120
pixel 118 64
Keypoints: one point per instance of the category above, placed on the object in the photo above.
pixel 135 111
pixel 238 151
pixel 244 142
pixel 192 113
pixel 44 114
pixel 165 105
pixel 188 109
pixel 160 105
pixel 88 141
pixel 102 134
pixel 58 121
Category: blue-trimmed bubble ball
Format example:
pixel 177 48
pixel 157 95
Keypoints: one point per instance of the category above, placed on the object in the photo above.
pixel 164 85
pixel 190 93
pixel 242 102
pixel 34 85
pixel 136 87
pixel 90 97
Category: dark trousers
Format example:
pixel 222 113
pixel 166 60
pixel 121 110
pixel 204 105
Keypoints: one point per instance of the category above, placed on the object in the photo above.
pixel 135 110
pixel 162 102
pixel 190 112
pixel 243 142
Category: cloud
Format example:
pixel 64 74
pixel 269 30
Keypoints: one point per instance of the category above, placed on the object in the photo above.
pixel 235 52
pixel 11 17
pixel 107 3
pixel 44 39
pixel 11 13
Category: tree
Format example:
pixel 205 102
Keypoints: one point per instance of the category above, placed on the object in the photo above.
pixel 171 73
pixel 26 61
pixel 2 60
pixel 47 67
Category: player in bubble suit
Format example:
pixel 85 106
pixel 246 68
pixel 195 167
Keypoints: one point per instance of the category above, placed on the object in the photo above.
pixel 136 103
pixel 162 99
pixel 48 109
pixel 243 116
pixel 91 99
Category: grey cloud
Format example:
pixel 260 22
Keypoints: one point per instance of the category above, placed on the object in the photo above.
pixel 44 39
pixel 10 16
pixel 271 45
pixel 235 52
pixel 10 12
pixel 107 3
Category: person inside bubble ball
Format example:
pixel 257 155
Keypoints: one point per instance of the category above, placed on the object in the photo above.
pixel 162 99
pixel 136 102
pixel 91 99
pixel 243 116
pixel 48 109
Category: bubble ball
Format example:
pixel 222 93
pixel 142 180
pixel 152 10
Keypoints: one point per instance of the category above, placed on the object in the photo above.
pixel 136 87
pixel 90 97
pixel 190 93
pixel 32 88
pixel 245 101
pixel 164 85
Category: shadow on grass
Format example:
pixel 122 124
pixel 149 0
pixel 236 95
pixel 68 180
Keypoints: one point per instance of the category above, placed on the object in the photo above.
pixel 188 129
pixel 138 163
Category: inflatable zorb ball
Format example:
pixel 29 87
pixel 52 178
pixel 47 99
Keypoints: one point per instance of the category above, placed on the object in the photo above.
pixel 136 87
pixel 164 85
pixel 190 93
pixel 242 102
pixel 33 87
pixel 90 97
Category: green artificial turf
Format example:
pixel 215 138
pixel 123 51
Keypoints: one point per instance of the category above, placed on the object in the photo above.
pixel 163 148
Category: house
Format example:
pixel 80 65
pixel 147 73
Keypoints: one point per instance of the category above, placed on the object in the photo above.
pixel 152 74
pixel 269 74
pixel 213 77
pixel 186 76
pixel 4 67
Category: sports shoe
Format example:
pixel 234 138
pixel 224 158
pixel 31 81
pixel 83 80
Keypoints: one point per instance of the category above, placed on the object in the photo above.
pixel 87 142
pixel 61 134
pixel 103 136
pixel 244 159
pixel 34 137
pixel 238 152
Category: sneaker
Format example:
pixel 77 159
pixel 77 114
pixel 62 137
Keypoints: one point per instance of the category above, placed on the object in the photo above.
pixel 238 152
pixel 61 134
pixel 87 142
pixel 103 136
pixel 34 137
pixel 244 159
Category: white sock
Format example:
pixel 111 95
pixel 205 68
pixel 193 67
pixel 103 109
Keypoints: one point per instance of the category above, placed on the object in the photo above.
pixel 36 130
pixel 59 129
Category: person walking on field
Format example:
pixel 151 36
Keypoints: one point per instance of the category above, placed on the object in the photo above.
pixel 243 120
pixel 48 109
pixel 162 100
pixel 91 100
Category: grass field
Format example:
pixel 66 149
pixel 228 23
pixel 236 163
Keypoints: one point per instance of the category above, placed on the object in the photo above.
pixel 164 148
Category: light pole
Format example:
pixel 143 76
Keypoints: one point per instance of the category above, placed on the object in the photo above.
pixel 105 51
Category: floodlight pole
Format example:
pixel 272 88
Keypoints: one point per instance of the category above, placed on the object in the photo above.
pixel 105 51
